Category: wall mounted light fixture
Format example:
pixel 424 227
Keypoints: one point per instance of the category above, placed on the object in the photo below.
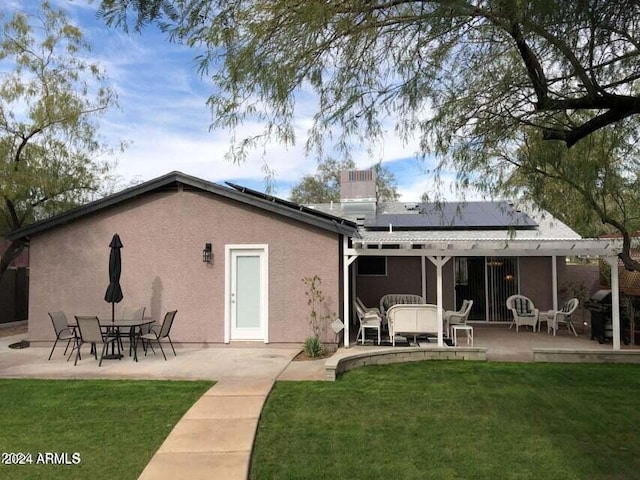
pixel 207 255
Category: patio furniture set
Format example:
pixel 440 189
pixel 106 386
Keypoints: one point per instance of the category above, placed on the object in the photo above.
pixel 405 314
pixel 526 314
pixel 106 332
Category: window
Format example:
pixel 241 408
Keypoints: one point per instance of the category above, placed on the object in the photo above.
pixel 462 271
pixel 372 266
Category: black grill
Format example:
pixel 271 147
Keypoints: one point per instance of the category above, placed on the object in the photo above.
pixel 601 326
pixel 600 307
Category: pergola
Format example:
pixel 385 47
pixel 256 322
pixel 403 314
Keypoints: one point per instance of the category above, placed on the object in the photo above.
pixel 438 250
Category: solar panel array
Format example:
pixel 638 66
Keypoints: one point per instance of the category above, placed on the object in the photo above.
pixel 454 216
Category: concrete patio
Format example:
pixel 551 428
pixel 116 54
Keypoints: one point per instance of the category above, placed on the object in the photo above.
pixel 191 363
pixel 259 361
pixel 504 344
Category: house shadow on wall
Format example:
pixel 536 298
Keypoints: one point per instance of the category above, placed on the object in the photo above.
pixel 156 299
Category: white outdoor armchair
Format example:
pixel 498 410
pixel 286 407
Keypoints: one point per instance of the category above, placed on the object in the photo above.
pixel 523 310
pixel 368 319
pixel 457 317
pixel 367 309
pixel 562 316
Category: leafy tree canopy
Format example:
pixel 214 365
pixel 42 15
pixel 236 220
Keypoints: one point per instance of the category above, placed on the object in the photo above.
pixel 594 186
pixel 470 79
pixel 462 74
pixel 324 185
pixel 49 97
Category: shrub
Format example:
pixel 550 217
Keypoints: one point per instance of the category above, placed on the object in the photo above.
pixel 319 318
pixel 313 347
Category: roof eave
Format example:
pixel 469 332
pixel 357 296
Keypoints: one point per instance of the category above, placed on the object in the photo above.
pixel 336 225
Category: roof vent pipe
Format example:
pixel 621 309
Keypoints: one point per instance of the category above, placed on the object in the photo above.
pixel 390 227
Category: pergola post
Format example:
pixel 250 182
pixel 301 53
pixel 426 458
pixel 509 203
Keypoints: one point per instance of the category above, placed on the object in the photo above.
pixel 423 272
pixel 554 281
pixel 347 260
pixel 615 301
pixel 439 262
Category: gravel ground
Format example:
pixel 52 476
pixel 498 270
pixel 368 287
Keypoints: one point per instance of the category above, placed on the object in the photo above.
pixel 13 330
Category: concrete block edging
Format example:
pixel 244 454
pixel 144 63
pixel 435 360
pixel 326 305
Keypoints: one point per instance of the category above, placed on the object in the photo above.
pixel 337 365
pixel 585 356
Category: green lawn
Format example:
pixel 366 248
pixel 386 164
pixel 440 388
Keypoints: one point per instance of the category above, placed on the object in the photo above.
pixel 455 420
pixel 115 426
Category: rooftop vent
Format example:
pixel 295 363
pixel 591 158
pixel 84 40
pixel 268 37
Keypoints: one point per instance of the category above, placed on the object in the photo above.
pixel 358 193
pixel 358 185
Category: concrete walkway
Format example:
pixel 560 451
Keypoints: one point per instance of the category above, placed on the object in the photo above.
pixel 215 437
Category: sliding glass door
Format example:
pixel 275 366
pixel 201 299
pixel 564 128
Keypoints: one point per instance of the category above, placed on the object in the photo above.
pixel 502 279
pixel 488 281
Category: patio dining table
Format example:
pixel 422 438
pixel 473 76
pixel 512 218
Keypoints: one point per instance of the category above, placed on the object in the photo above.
pixel 119 324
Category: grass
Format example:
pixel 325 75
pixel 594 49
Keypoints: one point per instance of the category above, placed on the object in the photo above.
pixel 115 426
pixel 455 420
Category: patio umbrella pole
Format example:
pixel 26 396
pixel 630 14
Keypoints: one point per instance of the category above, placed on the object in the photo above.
pixel 113 294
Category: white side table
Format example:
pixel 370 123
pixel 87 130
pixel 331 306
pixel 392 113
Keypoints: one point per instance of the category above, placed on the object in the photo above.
pixel 466 328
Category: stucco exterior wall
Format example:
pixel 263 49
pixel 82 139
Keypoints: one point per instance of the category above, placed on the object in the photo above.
pixel 403 276
pixel 573 277
pixel 448 284
pixel 571 280
pixel 535 281
pixel 162 268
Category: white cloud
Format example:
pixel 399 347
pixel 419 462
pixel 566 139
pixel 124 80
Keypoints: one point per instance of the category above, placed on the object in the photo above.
pixel 163 114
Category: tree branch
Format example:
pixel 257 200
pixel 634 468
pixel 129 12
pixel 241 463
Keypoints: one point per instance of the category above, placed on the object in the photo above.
pixel 591 88
pixel 572 136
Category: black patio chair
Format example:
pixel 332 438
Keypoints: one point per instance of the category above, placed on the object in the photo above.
pixel 90 332
pixel 161 334
pixel 63 331
pixel 136 314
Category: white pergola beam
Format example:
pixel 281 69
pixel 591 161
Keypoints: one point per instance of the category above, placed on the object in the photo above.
pixel 469 252
pixel 531 248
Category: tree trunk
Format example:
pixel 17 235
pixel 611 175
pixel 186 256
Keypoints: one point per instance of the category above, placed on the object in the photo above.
pixel 12 252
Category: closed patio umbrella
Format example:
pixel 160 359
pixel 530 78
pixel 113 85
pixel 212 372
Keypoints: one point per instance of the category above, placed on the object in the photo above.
pixel 113 294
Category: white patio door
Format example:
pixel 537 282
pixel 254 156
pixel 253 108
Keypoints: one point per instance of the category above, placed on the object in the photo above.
pixel 247 293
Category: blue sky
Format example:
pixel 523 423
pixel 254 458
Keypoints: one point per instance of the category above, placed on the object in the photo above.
pixel 163 116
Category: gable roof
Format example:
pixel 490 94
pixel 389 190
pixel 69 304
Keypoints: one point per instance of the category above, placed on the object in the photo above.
pixel 171 182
